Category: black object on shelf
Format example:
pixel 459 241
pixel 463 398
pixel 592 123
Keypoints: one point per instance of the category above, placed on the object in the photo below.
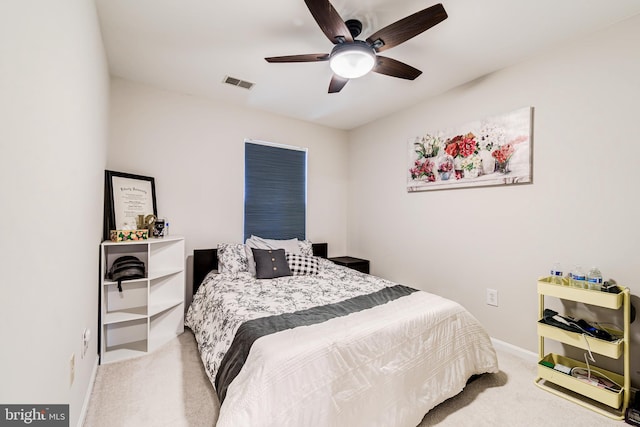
pixel 579 326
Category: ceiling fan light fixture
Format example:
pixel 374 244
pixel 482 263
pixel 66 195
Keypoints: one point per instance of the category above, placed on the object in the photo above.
pixel 352 60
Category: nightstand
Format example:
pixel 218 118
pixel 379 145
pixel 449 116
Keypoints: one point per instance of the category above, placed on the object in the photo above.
pixel 351 262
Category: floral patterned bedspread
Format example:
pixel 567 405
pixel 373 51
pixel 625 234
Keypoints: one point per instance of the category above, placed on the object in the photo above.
pixel 224 301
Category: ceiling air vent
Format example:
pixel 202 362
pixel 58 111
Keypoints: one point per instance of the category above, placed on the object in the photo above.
pixel 237 82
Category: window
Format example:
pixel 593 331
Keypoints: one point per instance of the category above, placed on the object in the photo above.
pixel 275 191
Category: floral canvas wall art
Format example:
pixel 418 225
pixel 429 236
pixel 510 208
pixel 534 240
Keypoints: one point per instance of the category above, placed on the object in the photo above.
pixel 492 151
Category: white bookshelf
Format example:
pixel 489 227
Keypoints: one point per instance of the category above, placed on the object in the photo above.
pixel 148 312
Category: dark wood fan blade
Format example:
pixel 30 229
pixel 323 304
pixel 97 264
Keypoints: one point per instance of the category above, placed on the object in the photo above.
pixel 329 21
pixel 312 57
pixel 337 83
pixel 391 67
pixel 407 28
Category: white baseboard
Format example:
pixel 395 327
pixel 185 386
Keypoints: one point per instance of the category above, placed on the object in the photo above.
pixel 87 396
pixel 515 350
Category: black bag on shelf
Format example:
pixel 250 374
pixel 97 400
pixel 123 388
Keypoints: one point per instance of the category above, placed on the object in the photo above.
pixel 126 268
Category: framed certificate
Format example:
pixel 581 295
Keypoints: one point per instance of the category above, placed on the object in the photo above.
pixel 125 197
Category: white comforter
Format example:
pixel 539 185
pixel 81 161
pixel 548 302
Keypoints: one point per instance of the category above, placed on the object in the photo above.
pixel 384 366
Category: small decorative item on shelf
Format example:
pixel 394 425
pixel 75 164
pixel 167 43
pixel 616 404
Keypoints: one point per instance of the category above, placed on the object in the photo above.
pixel 129 235
pixel 147 222
pixel 159 228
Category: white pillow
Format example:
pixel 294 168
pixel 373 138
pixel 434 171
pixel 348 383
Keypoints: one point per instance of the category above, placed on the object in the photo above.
pixel 289 246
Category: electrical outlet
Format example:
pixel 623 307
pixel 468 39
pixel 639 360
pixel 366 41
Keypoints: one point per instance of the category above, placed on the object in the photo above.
pixel 492 297
pixel 72 369
pixel 86 337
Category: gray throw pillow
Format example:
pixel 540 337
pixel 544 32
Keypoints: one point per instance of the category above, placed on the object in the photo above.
pixel 270 263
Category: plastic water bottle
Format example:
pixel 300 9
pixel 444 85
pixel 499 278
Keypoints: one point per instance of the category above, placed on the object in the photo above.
pixel 578 278
pixel 556 274
pixel 594 279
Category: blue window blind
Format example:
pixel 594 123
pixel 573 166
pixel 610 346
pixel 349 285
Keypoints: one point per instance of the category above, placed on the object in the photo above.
pixel 275 191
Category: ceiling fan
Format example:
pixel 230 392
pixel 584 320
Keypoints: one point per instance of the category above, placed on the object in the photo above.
pixel 351 58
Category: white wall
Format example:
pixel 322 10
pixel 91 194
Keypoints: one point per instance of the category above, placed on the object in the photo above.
pixel 194 149
pixel 581 208
pixel 53 109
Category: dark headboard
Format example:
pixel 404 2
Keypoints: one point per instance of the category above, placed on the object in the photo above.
pixel 205 260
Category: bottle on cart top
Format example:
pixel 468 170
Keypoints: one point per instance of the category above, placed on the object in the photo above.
pixel 594 278
pixel 556 273
pixel 578 278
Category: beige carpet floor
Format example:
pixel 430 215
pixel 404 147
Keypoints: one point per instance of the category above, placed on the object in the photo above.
pixel 169 388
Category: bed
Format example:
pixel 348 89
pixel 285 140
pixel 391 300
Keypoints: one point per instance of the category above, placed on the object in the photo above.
pixel 327 345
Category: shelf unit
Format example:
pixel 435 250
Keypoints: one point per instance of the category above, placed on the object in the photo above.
pixel 609 403
pixel 148 312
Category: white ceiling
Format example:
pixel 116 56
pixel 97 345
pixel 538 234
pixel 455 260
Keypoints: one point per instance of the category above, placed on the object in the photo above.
pixel 189 46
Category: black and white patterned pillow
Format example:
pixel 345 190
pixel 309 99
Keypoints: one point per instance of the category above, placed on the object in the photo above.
pixel 302 265
pixel 306 248
pixel 232 258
